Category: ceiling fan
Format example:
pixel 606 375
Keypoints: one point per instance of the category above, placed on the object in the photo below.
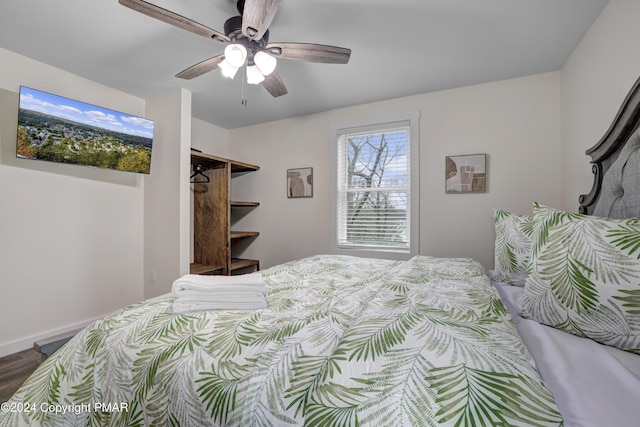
pixel 247 38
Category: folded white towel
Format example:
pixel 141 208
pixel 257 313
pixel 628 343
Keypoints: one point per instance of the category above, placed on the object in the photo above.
pixel 187 304
pixel 224 298
pixel 199 292
pixel 202 279
pixel 196 284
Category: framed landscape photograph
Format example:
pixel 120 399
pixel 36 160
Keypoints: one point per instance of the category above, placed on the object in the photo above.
pixel 58 129
pixel 299 182
pixel 466 173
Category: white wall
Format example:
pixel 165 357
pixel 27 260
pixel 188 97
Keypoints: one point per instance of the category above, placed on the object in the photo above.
pixel 595 81
pixel 209 138
pixel 516 122
pixel 71 237
pixel 166 196
pixel 77 243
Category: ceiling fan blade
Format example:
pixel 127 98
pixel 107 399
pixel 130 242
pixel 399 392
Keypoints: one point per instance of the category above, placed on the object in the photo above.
pixel 309 52
pixel 274 85
pixel 257 17
pixel 174 19
pixel 201 68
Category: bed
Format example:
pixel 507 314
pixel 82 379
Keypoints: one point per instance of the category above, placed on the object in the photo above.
pixel 347 341
pixel 344 341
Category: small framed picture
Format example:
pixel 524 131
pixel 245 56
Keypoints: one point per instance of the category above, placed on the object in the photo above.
pixel 299 182
pixel 466 173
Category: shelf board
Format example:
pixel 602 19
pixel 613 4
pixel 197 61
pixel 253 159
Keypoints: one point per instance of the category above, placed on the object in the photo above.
pixel 240 234
pixel 205 269
pixel 243 204
pixel 238 263
pixel 209 161
pixel 243 167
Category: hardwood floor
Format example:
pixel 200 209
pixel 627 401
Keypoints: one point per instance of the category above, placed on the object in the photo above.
pixel 15 369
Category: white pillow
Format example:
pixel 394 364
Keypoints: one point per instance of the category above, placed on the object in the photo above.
pixel 584 276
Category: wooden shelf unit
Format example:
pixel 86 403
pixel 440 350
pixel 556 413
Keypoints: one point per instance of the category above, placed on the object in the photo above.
pixel 213 238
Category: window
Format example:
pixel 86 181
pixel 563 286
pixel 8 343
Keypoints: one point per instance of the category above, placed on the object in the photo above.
pixel 376 196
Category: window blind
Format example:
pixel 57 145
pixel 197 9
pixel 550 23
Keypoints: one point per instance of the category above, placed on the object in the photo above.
pixel 373 194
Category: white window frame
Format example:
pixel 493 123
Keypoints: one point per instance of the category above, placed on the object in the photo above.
pixel 412 119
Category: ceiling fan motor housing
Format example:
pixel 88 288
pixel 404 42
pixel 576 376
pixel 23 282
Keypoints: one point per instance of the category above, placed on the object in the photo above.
pixel 233 30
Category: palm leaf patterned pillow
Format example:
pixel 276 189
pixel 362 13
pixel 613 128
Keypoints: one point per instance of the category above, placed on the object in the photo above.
pixel 584 276
pixel 513 246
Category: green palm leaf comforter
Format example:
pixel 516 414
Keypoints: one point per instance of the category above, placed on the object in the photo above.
pixel 345 341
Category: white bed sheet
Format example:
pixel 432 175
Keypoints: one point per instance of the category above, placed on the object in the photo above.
pixel 594 385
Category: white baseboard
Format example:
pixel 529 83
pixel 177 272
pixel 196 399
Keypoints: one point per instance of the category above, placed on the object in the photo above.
pixel 27 343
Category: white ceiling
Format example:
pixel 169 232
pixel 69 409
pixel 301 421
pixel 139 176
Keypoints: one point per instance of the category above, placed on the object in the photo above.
pixel 399 48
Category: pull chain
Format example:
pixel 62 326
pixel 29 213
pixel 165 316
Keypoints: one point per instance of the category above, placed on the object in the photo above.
pixel 244 85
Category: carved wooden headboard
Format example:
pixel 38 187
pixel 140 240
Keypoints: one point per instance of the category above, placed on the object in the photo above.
pixel 616 164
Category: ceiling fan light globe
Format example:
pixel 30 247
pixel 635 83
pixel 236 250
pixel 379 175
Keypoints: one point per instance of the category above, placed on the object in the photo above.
pixel 265 62
pixel 254 76
pixel 227 69
pixel 235 54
